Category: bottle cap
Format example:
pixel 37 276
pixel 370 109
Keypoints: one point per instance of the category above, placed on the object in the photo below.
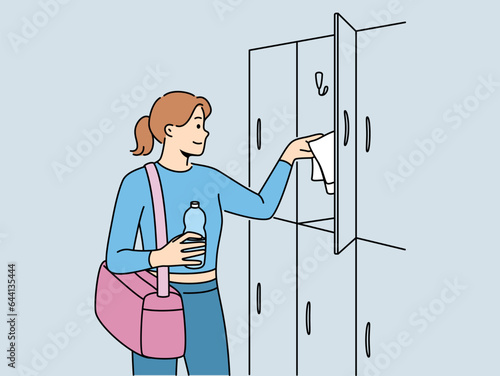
pixel 195 204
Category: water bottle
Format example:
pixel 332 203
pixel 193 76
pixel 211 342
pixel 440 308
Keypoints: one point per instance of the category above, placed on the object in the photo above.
pixel 194 221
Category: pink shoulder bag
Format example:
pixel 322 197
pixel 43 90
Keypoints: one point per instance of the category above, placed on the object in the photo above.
pixel 140 310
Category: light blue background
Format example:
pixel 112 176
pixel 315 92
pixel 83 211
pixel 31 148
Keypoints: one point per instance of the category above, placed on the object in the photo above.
pixel 67 77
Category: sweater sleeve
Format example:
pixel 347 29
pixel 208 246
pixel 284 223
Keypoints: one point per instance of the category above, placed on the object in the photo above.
pixel 237 199
pixel 121 257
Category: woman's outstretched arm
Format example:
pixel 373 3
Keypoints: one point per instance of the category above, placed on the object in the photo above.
pixel 237 199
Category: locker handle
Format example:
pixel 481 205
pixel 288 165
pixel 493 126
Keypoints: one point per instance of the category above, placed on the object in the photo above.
pixel 346 122
pixel 259 299
pixel 319 83
pixel 367 339
pixel 368 134
pixel 308 318
pixel 259 133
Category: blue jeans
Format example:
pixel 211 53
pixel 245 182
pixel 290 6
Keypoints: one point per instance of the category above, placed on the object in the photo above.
pixel 206 341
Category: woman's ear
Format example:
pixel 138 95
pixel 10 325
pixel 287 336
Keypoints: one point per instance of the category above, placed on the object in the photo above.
pixel 168 130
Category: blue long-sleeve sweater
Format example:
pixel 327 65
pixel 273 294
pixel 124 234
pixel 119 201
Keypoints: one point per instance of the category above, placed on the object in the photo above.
pixel 215 191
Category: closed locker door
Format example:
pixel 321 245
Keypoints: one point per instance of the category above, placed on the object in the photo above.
pixel 326 301
pixel 385 125
pixel 272 298
pixel 272 116
pixel 386 298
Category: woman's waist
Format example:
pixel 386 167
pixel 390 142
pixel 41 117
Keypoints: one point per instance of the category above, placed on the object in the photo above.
pixel 207 276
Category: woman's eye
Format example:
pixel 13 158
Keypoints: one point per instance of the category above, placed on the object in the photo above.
pixel 198 126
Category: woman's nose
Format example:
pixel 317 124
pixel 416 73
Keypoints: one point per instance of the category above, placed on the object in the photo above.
pixel 208 134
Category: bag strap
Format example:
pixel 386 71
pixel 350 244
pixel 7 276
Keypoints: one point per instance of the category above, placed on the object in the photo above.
pixel 162 284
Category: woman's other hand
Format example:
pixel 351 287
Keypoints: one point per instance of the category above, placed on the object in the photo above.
pixel 299 148
pixel 176 252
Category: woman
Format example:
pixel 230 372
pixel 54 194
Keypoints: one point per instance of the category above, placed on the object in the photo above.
pixel 177 120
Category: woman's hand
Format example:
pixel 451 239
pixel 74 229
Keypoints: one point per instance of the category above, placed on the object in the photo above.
pixel 299 148
pixel 176 252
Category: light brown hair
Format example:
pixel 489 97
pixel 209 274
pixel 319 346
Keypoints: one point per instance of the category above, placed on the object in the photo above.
pixel 174 108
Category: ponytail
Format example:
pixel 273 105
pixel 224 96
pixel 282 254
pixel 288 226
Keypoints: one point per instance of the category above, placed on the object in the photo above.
pixel 143 137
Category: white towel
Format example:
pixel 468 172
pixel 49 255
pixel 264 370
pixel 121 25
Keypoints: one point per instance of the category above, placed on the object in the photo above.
pixel 323 161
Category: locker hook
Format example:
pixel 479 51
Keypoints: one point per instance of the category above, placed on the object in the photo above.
pixel 319 83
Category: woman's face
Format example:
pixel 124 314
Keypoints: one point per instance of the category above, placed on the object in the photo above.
pixel 191 137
